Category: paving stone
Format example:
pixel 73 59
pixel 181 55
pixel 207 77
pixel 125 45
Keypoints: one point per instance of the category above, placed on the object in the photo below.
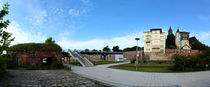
pixel 44 78
pixel 118 77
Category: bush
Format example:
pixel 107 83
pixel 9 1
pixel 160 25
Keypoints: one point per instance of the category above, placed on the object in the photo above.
pixel 2 65
pixel 56 64
pixel 35 47
pixel 188 63
pixel 133 61
pixel 179 62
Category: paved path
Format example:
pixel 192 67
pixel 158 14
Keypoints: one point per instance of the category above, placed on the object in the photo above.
pixel 46 78
pixel 125 78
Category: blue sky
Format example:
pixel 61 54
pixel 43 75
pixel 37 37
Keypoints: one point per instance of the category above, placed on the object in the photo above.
pixel 80 24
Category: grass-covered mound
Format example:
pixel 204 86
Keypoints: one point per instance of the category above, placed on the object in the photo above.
pixel 35 47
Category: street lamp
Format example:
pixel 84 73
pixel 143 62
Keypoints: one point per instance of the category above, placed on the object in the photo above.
pixel 137 52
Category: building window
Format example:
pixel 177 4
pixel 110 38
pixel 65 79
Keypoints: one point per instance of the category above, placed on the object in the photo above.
pixel 155 43
pixel 161 41
pixel 156 37
pixel 161 46
pixel 147 37
pixel 162 37
pixel 184 36
pixel 148 44
pixel 148 49
pixel 155 32
pixel 44 60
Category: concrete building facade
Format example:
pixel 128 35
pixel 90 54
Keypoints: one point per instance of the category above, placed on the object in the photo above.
pixel 154 40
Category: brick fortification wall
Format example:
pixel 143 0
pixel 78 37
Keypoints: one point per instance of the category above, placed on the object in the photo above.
pixel 169 53
pixel 131 55
pixel 32 58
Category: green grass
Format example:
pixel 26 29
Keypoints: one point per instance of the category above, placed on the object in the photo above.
pixel 76 63
pixel 163 68
pixel 163 64
pixel 145 67
pixel 106 62
pixel 22 67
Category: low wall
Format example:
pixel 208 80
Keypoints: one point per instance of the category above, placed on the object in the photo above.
pixel 169 53
pixel 99 57
pixel 132 55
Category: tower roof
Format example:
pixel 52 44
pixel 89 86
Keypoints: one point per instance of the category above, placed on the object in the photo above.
pixel 170 31
pixel 177 29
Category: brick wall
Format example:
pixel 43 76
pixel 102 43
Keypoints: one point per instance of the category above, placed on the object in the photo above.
pixel 32 58
pixel 169 53
pixel 182 52
pixel 159 55
pixel 131 55
pixel 99 57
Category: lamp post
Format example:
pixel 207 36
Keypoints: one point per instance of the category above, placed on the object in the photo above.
pixel 137 53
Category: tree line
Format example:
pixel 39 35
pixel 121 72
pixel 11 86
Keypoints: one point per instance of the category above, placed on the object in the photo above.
pixel 115 49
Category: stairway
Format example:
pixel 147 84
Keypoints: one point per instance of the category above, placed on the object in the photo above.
pixel 83 61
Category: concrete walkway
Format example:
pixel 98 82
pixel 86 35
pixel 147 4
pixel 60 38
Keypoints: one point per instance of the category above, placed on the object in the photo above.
pixel 125 78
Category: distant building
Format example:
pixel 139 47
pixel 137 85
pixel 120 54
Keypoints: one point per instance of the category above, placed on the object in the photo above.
pixel 170 31
pixel 182 40
pixel 154 40
pixel 103 56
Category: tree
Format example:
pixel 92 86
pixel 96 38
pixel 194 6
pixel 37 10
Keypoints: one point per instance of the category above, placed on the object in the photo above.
pixel 5 37
pixel 106 48
pixel 49 41
pixel 197 45
pixel 94 50
pixel 87 50
pixel 131 48
pixel 116 49
pixel 170 41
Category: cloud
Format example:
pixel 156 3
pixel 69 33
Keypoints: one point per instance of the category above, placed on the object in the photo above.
pixel 87 2
pixel 83 8
pixel 204 35
pixel 74 12
pixel 58 11
pixel 39 17
pixel 122 42
pixel 22 36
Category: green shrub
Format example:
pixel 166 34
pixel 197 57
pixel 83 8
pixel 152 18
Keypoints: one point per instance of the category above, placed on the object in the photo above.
pixel 2 65
pixel 133 61
pixel 35 47
pixel 56 64
pixel 179 62
pixel 188 63
pixel 10 63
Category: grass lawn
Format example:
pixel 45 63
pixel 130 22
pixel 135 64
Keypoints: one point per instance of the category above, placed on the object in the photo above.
pixel 106 62
pixel 145 67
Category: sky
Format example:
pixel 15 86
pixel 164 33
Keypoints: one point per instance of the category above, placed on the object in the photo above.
pixel 94 24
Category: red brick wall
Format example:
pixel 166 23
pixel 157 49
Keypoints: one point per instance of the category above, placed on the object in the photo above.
pixel 31 58
pixel 181 52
